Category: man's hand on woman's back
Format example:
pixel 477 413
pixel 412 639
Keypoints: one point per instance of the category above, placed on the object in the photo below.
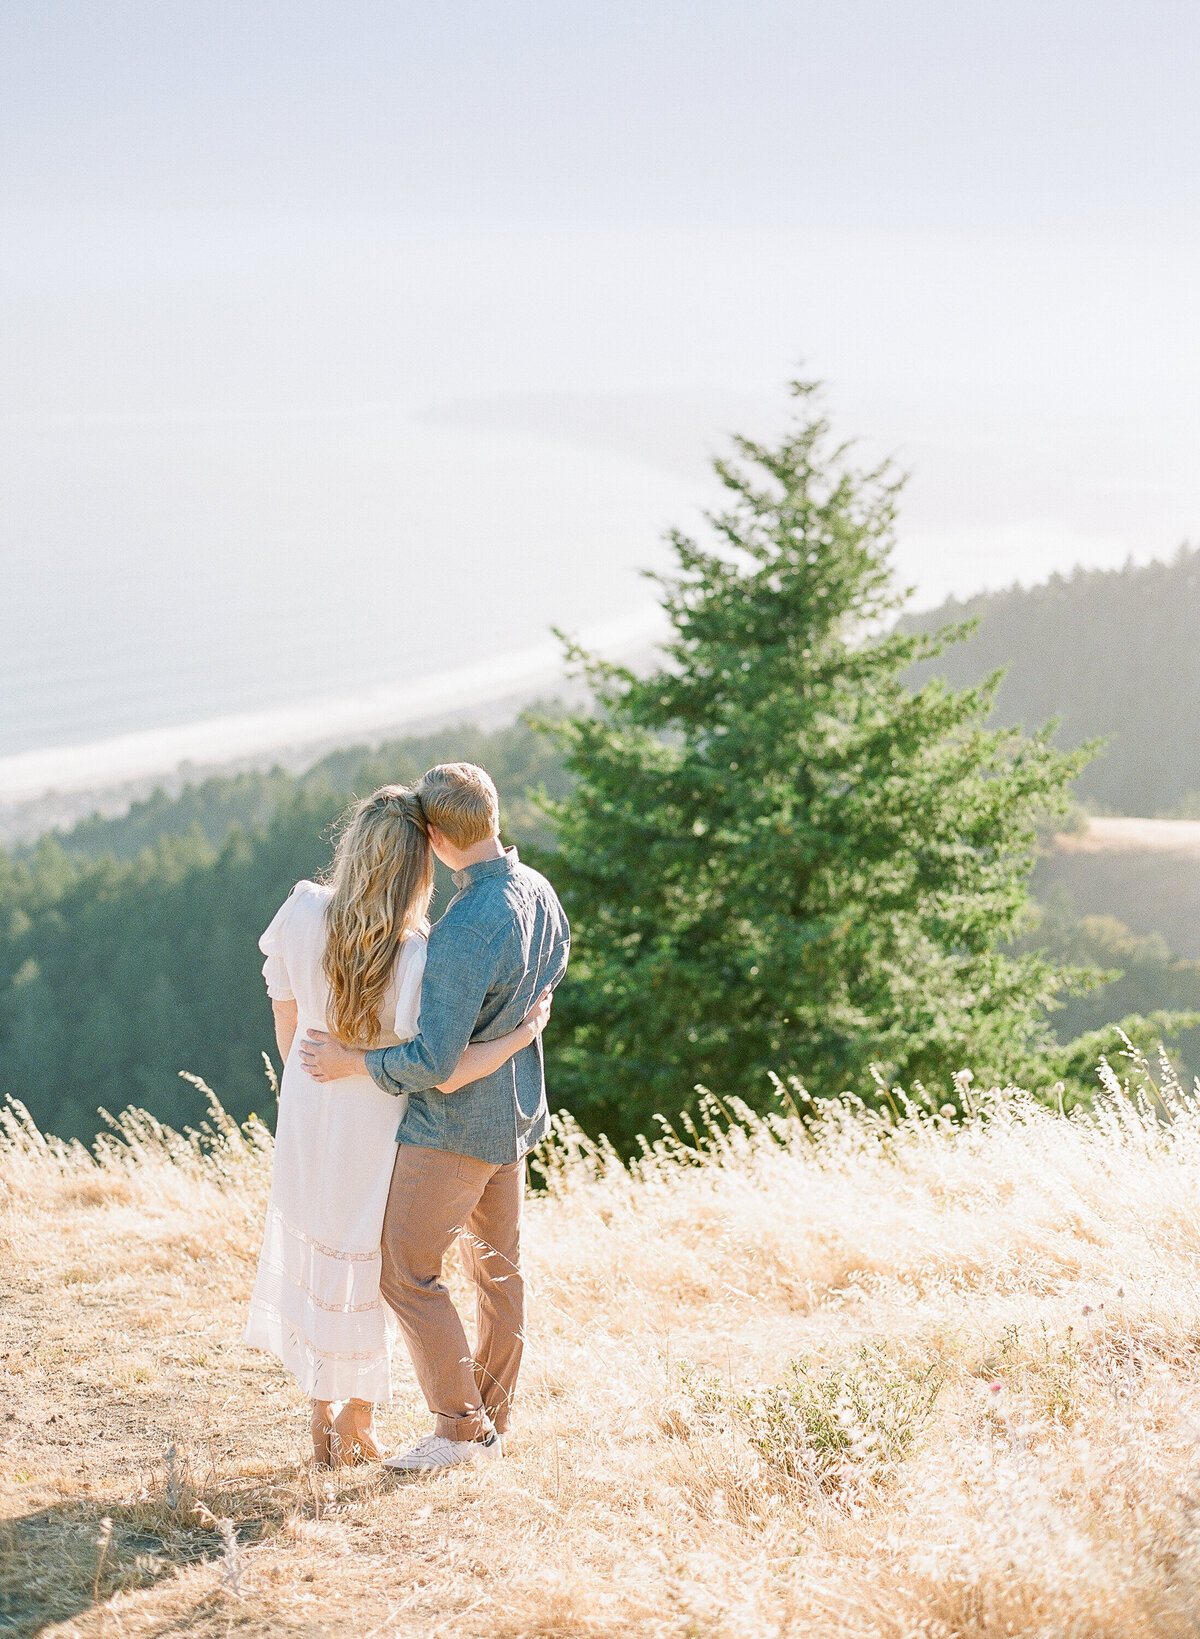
pixel 325 1058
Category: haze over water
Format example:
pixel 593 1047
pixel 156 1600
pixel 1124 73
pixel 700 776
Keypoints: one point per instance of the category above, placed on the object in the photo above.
pixel 360 345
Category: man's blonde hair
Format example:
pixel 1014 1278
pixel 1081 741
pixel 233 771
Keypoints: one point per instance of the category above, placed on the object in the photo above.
pixel 460 799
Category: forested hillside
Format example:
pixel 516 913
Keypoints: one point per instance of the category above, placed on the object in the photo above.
pixel 128 947
pixel 212 808
pixel 1109 653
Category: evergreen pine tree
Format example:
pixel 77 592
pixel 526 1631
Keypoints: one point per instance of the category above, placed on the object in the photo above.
pixel 778 857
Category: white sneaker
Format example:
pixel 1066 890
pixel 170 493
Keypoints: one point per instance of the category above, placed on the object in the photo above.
pixel 436 1451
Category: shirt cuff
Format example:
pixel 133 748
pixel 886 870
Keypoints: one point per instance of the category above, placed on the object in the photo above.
pixel 376 1069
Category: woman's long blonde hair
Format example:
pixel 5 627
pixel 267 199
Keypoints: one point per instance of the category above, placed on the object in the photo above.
pixel 382 880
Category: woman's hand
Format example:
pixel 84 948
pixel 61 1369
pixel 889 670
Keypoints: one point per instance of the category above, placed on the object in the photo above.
pixel 538 1017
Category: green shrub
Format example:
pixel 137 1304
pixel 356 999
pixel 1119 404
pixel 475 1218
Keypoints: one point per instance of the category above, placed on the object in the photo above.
pixel 840 1424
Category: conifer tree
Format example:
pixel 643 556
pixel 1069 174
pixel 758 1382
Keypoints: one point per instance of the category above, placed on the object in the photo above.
pixel 778 857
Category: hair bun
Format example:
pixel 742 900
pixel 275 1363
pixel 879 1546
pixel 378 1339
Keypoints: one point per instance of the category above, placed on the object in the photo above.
pixel 401 800
pixel 410 804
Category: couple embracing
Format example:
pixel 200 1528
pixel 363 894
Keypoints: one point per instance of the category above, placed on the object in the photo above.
pixel 412 1092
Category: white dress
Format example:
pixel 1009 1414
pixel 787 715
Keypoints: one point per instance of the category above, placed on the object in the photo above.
pixel 316 1302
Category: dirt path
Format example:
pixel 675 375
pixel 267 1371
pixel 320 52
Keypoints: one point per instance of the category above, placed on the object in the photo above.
pixel 1128 836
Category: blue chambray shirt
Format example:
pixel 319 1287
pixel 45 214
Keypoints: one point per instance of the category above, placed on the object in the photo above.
pixel 503 938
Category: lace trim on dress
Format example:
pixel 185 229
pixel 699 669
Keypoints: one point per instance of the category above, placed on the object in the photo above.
pixel 309 1347
pixel 319 1246
pixel 310 1296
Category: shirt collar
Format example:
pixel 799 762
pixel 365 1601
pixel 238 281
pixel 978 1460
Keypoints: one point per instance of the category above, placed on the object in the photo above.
pixel 470 874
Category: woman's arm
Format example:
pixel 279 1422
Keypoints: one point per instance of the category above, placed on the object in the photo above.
pixel 287 1016
pixel 482 1057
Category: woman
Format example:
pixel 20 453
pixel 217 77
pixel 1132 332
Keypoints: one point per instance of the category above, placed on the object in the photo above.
pixel 347 956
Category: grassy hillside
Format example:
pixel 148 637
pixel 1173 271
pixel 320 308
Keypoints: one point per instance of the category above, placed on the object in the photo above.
pixel 885 1378
pixel 1109 652
pixel 1144 873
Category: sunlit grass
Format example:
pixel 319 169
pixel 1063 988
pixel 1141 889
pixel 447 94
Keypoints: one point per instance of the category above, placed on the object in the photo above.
pixel 873 1375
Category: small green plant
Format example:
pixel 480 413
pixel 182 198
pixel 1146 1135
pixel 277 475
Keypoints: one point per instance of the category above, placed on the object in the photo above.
pixel 840 1424
pixel 1043 1373
pixel 705 1392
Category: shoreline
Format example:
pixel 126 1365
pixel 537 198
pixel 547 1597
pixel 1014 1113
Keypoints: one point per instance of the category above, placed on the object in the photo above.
pixel 51 789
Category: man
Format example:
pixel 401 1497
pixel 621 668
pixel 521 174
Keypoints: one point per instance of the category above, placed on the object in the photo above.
pixel 460 1170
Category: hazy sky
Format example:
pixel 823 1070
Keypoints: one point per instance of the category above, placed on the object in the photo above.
pixel 879 113
pixel 445 292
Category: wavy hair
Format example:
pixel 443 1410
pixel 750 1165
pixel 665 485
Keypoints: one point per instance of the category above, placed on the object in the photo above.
pixel 382 881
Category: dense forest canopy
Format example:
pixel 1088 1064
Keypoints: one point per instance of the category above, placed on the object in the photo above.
pixel 1108 653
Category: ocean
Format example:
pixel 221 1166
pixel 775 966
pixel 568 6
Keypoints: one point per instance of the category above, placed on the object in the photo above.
pixel 216 588
pixel 162 576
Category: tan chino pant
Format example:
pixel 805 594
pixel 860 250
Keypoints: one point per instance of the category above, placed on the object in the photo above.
pixel 438 1197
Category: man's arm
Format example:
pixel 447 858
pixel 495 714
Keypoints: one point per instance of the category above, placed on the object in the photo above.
pixel 457 974
pixel 481 1058
pixel 455 983
pixel 328 1059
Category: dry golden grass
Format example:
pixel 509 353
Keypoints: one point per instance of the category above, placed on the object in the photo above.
pixel 880 1377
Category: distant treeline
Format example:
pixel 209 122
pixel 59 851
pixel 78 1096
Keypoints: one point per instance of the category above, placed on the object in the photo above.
pixel 521 762
pixel 1110 653
pixel 128 947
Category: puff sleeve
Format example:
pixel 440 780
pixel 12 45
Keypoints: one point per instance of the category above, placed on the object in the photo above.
pixel 279 984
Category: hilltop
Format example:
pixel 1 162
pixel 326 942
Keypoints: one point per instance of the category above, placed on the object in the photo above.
pixel 884 1376
pixel 1110 653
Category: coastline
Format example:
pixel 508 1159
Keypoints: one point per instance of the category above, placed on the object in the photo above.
pixel 50 789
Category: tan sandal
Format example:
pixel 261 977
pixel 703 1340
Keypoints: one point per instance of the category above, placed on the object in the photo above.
pixel 353 1445
pixel 323 1437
